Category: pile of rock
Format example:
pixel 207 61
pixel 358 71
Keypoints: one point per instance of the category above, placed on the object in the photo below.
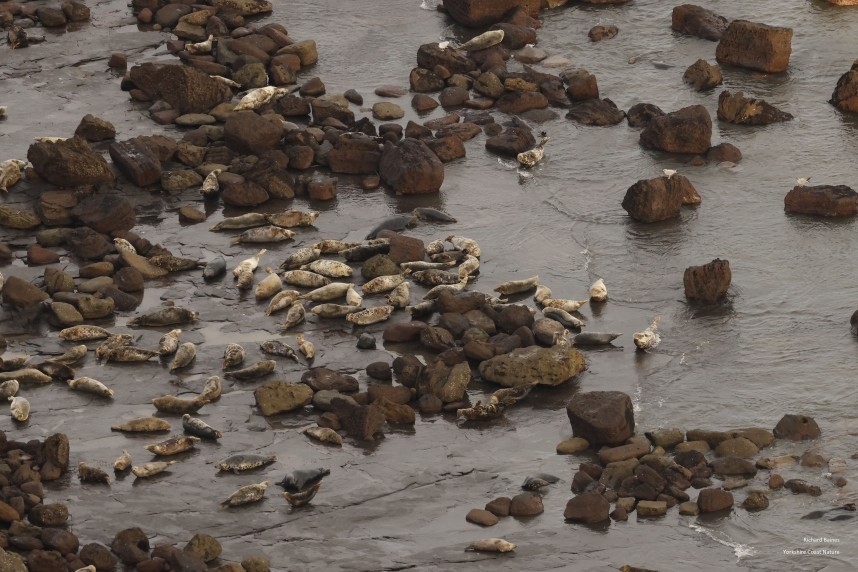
pixel 23 16
pixel 636 472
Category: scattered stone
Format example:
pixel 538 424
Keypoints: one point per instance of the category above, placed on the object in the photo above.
pixel 589 508
pixel 93 129
pixel 599 33
pixel 756 500
pixel 714 500
pixel 701 75
pixel 499 506
pixel 572 446
pixel 649 509
pixel 708 283
pixel 799 486
pixel 526 504
pixel 740 110
pixel 797 428
pixel 481 517
pixel 689 508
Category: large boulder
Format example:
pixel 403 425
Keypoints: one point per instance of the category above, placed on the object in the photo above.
pixel 740 110
pixel 755 46
pixel 187 89
pixel 21 294
pixel 845 96
pixel 822 200
pixel 411 167
pixel 601 417
pixel 136 161
pixel 797 428
pixel 354 155
pixel 653 200
pixel 281 396
pixel 69 163
pixel 106 213
pixel 708 283
pixel 482 13
pixel 511 142
pixel 697 21
pixel 600 112
pixel 360 421
pixel 688 130
pixel 589 508
pixel 522 366
pixel 247 132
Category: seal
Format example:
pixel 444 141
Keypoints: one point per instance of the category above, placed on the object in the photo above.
pixel 594 338
pixel 305 279
pixel 111 343
pixel 302 498
pixel 185 355
pixel 300 257
pixel 430 214
pixel 365 251
pixel 84 333
pixel 151 469
pixel 200 47
pixel 329 268
pixel 55 370
pixel 293 218
pixel 295 315
pixel 268 233
pixel 382 284
pixel 214 268
pixel 329 310
pixel 563 317
pixel 248 264
pixel 211 186
pixel 256 98
pixel 480 412
pixel 529 159
pixel 278 348
pixel 303 479
pixel 257 370
pixel 435 277
pixel 233 355
pixel 169 343
pixel 269 286
pixel 173 404
pixel 306 347
pixel 565 305
pixel 328 292
pixel 246 494
pixel 173 445
pixel 395 223
pixel 464 244
pixel 90 385
pixel 649 338
pixel 89 474
pixel 19 407
pixel 171 316
pixel 598 291
pixel 126 354
pixel 324 434
pixel 142 425
pixel 10 173
pixel 370 316
pixel 123 462
pixel 244 462
pixel 352 296
pixel 518 286
pixel 26 375
pixel 172 263
pixel 483 41
pixel 281 300
pixel 199 427
pixel 9 388
pixel 399 296
pixel 247 220
pixel 491 545
pixel 212 389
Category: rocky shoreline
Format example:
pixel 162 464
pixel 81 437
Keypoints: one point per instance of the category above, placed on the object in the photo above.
pixel 283 143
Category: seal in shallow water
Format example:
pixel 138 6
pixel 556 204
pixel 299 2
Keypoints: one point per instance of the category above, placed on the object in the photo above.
pixel 397 223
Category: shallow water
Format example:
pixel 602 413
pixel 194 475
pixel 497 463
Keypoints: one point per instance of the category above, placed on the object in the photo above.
pixel 780 344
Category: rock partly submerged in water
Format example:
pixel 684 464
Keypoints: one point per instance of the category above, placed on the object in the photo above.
pixel 523 366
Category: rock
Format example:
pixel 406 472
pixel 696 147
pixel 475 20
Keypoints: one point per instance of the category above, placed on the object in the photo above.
pixel 649 509
pixel 51 17
pixel 708 283
pixel 457 382
pixel 546 366
pixel 128 279
pixel 689 508
pixel 813 459
pixel 437 340
pixel 353 96
pixel 422 102
pixel 313 87
pixel 247 194
pixel 105 213
pixel 379 370
pixel 93 129
pixel 822 200
pixel 186 89
pixel 755 46
pixel 713 500
pixel 424 81
pixel 429 404
pixel 387 111
pixel 256 564
pixel 699 22
pixel 799 486
pixel 43 561
pixel 168 16
pixel 247 132
pixel 60 540
pixel 724 152
pixel 400 332
pixel 136 161
pixel 131 545
pixel 366 342
pixel 640 114
pixel 395 413
pixel 740 110
pixel 411 167
pixel 499 506
pixel 397 394
pixel 179 560
pixel 583 87
pixel 688 130
pixel 530 55
pixel 516 103
pixel 797 428
pixel 601 417
pixel 379 265
pixel 756 500
pixel 655 199
pixel 599 112
pixel 512 317
pixel 511 142
pixel 322 188
pixel 572 446
pixel 405 249
pixel 599 33
pixel 281 396
pixel 305 50
pixel 49 515
pixel 118 60
pixel 731 466
pixel 481 517
pixel 66 314
pixel 354 155
pixel 322 399
pixel 321 378
pixel 88 244
pixel 360 421
pixel 737 447
pixel 206 546
pixel 845 95
pixel 526 504
pixel 483 13
pixel 21 294
pixel 589 508
pixel 701 75
pixel 38 256
pixel 69 163
pixel 624 452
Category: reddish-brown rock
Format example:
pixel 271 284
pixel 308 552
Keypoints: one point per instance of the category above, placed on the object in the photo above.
pixel 482 13
pixel 69 163
pixel 822 200
pixel 713 500
pixel 708 283
pixel 136 161
pixel 688 130
pixel 740 110
pixel 697 21
pixel 411 167
pixel 755 46
pixel 660 198
pixel 601 417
